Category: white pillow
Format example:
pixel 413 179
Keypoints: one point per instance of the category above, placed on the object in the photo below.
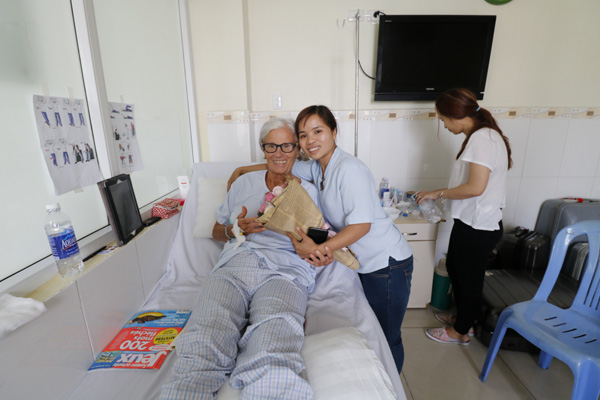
pixel 340 365
pixel 211 194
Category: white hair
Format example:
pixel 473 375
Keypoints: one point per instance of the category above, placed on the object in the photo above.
pixel 275 123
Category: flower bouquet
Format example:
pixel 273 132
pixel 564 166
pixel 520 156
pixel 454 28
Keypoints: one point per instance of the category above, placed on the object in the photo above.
pixel 289 206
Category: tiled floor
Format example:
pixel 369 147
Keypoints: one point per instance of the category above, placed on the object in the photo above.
pixel 446 372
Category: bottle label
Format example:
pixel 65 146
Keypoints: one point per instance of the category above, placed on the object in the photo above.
pixel 64 245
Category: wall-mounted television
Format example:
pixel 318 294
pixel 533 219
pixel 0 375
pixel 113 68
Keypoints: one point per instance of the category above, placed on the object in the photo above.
pixel 420 56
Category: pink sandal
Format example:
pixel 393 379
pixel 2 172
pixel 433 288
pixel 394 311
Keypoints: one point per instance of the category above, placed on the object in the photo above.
pixel 449 320
pixel 441 335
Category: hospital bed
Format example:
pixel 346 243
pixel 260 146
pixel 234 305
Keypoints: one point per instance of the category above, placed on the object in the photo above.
pixel 345 350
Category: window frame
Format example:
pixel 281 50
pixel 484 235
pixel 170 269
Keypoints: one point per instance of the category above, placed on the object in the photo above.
pixel 35 275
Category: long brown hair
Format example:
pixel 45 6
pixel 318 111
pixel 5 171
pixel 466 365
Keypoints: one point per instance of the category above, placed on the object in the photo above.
pixel 319 110
pixel 460 103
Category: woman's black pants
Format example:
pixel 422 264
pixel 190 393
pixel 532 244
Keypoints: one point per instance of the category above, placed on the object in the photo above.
pixel 468 253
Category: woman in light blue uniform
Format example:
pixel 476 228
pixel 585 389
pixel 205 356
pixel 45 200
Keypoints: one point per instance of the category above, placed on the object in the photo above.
pixel 348 198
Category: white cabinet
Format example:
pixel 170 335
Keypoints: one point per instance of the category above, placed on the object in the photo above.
pixel 421 237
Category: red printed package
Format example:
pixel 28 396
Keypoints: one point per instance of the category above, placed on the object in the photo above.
pixel 166 208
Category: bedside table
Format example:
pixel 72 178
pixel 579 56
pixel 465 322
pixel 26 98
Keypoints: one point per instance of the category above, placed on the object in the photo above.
pixel 421 236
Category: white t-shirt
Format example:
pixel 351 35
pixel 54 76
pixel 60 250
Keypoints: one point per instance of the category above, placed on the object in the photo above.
pixel 484 212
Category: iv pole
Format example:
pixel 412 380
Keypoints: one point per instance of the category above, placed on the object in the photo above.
pixel 356 18
pixel 356 66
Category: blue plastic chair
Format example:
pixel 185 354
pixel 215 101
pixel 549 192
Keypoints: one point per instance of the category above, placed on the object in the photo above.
pixel 572 335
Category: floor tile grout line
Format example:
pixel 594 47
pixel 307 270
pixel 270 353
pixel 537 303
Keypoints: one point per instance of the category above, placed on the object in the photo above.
pixel 499 356
pixel 497 359
pixel 407 388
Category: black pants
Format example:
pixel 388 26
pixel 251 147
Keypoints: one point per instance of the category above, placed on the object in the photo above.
pixel 468 252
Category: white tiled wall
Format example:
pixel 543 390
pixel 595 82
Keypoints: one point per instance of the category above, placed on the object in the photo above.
pixel 56 349
pixel 556 152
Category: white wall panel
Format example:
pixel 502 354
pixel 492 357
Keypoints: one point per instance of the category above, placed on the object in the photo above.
pixel 45 357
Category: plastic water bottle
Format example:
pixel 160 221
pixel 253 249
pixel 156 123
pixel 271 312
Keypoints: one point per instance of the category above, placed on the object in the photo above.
pixel 63 242
pixel 398 196
pixel 430 211
pixel 384 187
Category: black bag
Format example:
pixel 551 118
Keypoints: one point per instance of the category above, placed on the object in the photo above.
pixel 576 260
pixel 534 251
pixel 522 249
pixel 507 251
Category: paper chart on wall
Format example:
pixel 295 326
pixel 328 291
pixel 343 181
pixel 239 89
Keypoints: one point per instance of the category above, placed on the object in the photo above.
pixel 126 146
pixel 66 142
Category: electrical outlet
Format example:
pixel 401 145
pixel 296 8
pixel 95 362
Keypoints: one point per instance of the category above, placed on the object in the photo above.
pixel 578 110
pixel 277 104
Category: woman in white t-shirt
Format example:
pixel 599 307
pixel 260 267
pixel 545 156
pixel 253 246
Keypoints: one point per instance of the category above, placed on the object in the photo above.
pixel 475 197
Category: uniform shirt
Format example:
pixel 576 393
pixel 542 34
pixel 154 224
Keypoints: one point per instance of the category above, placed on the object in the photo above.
pixel 349 197
pixel 484 212
pixel 277 250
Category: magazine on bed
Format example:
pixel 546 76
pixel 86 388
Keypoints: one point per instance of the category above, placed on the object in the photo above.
pixel 145 341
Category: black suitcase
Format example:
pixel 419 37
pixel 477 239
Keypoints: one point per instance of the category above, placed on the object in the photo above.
pixel 535 251
pixel 507 252
pixel 521 248
pixel 503 288
pixel 576 260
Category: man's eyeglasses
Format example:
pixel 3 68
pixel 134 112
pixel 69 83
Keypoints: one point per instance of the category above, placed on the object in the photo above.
pixel 272 147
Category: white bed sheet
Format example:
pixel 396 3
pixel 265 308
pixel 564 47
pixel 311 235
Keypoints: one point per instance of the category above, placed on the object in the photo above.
pixel 337 301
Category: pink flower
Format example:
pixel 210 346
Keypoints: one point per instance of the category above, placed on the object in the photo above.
pixel 269 196
pixel 277 190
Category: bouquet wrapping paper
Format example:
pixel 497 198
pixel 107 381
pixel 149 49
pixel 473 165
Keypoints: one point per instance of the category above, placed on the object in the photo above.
pixel 295 208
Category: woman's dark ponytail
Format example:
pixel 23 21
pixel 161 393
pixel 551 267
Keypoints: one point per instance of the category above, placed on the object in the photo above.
pixel 460 103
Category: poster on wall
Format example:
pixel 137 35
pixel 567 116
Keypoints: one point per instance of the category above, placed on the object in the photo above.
pixel 125 141
pixel 66 142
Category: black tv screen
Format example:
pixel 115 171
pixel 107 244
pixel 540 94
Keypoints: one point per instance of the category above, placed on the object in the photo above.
pixel 420 56
pixel 121 207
